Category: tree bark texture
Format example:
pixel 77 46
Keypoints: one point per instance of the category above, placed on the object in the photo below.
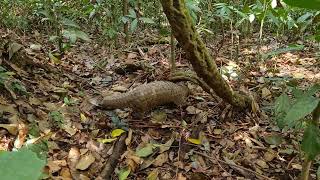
pixel 198 55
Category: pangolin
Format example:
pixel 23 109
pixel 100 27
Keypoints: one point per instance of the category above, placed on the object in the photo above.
pixel 147 96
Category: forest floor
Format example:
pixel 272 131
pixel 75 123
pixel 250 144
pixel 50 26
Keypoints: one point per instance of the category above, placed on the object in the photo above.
pixel 204 139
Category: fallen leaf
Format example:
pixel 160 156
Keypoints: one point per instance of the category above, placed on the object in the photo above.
pixel 129 138
pixel 273 139
pixel 35 47
pixel 265 93
pixel 13 48
pixel 181 177
pixel 119 88
pixel 296 166
pixel 124 173
pixel 194 141
pixel 153 175
pixel 85 162
pixel 73 157
pixel 193 110
pixel 161 159
pixel 262 164
pixel 132 55
pixel 106 140
pixel 269 155
pixel 83 177
pixel 158 116
pixel 117 132
pixel 217 131
pixel 11 128
pixel 145 151
pixel 166 146
pixel 83 118
pixel 65 173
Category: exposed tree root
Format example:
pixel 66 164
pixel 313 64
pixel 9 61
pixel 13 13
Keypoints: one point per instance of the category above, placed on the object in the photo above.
pixel 113 160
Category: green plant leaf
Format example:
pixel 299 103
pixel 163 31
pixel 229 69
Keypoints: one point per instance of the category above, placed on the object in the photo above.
pixel 318 172
pixel 312 90
pixel 125 19
pixel 70 23
pixel 282 106
pixel 124 173
pixel 302 107
pixel 23 164
pixel 145 151
pixel 13 48
pixel 311 141
pixel 70 34
pixel 290 48
pixel 308 4
pixel 304 17
pixel 147 20
pixel 53 38
pixel 82 35
pixel 132 14
pixel 134 25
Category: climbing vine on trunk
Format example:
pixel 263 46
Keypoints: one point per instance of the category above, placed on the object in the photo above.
pixel 198 55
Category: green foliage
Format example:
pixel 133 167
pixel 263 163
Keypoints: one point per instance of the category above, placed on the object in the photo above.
pixel 23 164
pixel 290 48
pixel 134 19
pixel 145 151
pixel 66 31
pixel 289 111
pixel 57 118
pixel 124 173
pixel 308 4
pixel 311 141
pixel 4 75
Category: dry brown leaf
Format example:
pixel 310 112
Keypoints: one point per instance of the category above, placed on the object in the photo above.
pixel 161 159
pixel 129 138
pixel 132 55
pixel 193 110
pixel 181 177
pixel 153 175
pixel 266 93
pixel 11 128
pixel 73 157
pixel 262 164
pixel 55 166
pixel 65 173
pixel 85 161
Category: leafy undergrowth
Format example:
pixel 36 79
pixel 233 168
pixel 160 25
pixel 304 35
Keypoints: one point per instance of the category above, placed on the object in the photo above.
pixel 44 103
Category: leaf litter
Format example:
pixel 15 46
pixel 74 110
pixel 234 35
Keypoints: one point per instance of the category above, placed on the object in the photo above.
pixel 201 140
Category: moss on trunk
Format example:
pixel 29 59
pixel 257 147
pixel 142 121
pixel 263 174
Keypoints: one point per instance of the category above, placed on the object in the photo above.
pixel 198 55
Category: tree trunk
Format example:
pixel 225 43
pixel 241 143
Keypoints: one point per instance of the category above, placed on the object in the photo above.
pixel 198 55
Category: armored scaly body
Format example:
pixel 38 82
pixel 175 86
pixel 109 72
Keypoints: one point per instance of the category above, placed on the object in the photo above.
pixel 147 96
